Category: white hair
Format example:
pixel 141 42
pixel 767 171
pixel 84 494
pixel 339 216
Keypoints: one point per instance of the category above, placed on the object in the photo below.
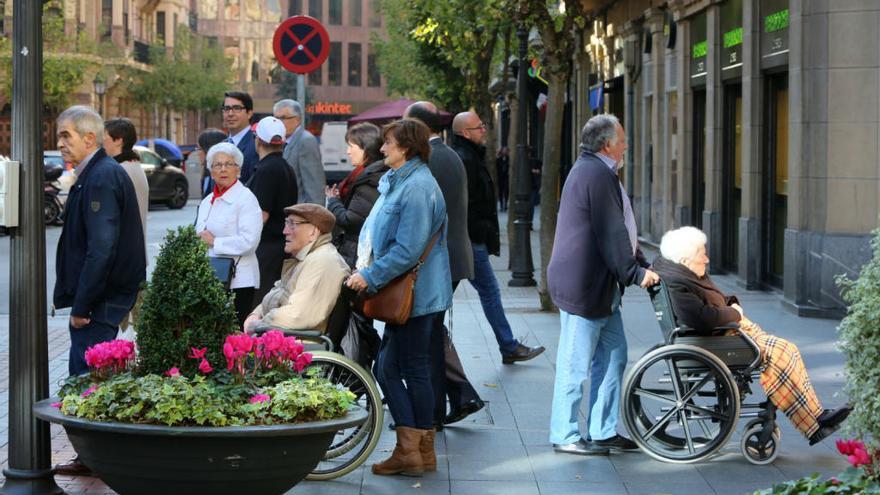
pixel 680 245
pixel 599 131
pixel 84 119
pixel 293 105
pixel 227 149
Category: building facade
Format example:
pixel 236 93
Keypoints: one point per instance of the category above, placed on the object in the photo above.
pixel 757 121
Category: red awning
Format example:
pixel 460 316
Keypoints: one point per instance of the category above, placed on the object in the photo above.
pixel 389 111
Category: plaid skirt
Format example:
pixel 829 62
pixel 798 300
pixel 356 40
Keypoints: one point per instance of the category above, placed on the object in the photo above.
pixel 784 378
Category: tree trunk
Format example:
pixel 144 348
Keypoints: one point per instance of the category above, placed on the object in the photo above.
pixel 550 180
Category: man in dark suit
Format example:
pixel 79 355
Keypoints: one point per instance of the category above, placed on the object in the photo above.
pixel 448 377
pixel 595 255
pixel 101 259
pixel 238 108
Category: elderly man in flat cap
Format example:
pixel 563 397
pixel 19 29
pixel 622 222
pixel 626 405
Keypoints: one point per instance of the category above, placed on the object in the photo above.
pixel 311 279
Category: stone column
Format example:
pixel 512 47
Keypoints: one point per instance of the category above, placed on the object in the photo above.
pixel 714 137
pixel 659 167
pixel 750 251
pixel 685 177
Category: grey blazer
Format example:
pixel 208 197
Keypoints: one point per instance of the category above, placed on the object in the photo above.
pixel 304 156
pixel 448 171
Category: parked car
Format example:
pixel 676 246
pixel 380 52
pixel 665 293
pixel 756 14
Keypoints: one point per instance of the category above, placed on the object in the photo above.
pixel 333 152
pixel 168 183
pixel 165 149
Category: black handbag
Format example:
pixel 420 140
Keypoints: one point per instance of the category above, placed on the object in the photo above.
pixel 224 269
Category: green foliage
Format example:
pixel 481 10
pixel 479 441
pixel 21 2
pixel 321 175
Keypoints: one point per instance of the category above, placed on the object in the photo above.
pixel 182 401
pixel 185 306
pixel 191 76
pixel 444 50
pixel 852 481
pixel 860 342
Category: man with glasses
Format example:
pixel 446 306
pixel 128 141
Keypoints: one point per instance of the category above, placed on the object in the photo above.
pixel 302 153
pixel 238 108
pixel 311 279
pixel 470 144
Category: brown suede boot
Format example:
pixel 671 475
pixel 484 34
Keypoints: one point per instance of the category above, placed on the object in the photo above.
pixel 405 459
pixel 426 449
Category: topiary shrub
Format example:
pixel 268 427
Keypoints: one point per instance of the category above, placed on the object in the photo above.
pixel 860 342
pixel 185 307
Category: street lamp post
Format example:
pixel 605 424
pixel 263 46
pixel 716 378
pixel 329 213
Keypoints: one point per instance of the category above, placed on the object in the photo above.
pixel 100 87
pixel 521 254
pixel 29 470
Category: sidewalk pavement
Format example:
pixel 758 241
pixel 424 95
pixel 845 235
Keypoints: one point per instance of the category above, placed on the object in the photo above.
pixel 504 448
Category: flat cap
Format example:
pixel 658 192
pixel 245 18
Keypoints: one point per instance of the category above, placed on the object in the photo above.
pixel 316 215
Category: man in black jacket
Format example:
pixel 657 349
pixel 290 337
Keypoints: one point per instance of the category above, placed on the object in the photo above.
pixel 469 142
pixel 274 185
pixel 595 255
pixel 101 259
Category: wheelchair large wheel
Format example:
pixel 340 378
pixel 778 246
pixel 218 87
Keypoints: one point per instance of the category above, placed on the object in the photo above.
pixel 352 446
pixel 681 403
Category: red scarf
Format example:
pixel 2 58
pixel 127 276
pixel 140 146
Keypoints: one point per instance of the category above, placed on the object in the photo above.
pixel 218 192
pixel 345 186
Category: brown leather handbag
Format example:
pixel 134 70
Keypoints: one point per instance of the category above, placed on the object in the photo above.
pixel 393 303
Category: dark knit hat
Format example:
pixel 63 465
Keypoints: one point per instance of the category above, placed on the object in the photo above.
pixel 316 215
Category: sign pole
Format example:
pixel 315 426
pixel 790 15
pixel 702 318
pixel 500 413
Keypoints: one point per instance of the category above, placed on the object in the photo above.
pixel 301 95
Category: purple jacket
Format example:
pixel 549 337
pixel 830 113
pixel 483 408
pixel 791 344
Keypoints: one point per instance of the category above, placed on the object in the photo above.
pixel 592 255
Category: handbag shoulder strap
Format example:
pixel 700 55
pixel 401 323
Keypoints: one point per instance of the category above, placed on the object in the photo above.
pixel 430 246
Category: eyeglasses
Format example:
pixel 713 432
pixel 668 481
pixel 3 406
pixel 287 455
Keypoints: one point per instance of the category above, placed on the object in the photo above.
pixel 292 224
pixel 287 117
pixel 221 165
pixel 479 127
pixel 231 109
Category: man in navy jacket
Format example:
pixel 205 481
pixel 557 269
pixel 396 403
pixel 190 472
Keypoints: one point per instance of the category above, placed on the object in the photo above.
pixel 595 255
pixel 101 259
pixel 237 109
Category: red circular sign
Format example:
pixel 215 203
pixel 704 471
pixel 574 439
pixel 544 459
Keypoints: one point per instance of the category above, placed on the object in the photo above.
pixel 301 44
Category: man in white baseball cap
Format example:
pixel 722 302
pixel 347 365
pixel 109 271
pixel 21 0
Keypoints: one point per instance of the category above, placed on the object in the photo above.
pixel 274 185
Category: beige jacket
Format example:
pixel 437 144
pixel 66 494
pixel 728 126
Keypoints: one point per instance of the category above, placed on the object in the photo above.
pixel 309 286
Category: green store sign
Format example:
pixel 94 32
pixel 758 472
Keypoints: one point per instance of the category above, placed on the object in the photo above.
pixel 699 49
pixel 733 38
pixel 776 21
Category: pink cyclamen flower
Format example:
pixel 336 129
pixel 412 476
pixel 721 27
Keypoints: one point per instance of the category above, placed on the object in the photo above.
pixel 90 391
pixel 205 366
pixel 56 405
pixel 259 398
pixel 173 372
pixel 197 353
pixel 859 458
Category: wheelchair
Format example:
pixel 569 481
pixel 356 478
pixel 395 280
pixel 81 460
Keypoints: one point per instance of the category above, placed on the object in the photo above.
pixel 683 398
pixel 350 447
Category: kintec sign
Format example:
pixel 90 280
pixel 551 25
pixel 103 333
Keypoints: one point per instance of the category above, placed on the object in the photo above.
pixel 329 108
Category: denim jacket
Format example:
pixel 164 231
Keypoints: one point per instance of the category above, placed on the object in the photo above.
pixel 410 209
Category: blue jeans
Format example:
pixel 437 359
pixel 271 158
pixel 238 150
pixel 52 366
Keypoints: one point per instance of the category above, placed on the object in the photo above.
pixel 404 369
pixel 83 338
pixel 599 344
pixel 490 297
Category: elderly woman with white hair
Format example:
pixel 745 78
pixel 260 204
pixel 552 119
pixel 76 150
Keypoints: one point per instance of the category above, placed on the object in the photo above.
pixel 230 222
pixel 699 304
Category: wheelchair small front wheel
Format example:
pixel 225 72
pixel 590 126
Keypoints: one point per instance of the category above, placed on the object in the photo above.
pixel 350 447
pixel 756 450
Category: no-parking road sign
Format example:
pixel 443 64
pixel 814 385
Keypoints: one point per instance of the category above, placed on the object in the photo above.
pixel 301 44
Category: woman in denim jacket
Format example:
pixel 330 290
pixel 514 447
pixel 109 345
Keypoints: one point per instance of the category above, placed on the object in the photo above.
pixel 408 212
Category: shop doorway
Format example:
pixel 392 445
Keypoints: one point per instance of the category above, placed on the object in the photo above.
pixel 698 166
pixel 775 180
pixel 731 192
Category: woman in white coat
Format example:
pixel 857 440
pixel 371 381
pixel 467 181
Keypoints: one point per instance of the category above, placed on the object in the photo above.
pixel 230 222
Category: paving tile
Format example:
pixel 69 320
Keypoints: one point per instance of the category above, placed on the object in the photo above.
pixel 580 488
pixel 551 466
pixel 493 488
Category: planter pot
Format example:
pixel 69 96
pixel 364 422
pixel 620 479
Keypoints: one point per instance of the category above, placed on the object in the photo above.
pixel 150 459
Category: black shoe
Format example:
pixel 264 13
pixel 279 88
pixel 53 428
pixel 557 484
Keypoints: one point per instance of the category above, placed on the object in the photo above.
pixel 437 426
pixel 581 447
pixel 464 411
pixel 74 467
pixel 833 417
pixel 618 443
pixel 521 353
